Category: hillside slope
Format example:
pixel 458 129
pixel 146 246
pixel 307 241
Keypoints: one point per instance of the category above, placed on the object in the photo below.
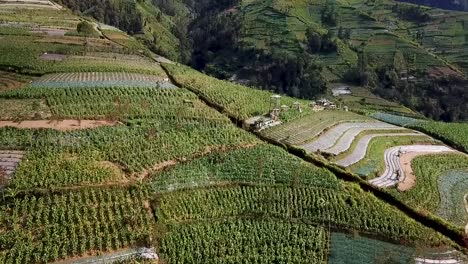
pixel 101 155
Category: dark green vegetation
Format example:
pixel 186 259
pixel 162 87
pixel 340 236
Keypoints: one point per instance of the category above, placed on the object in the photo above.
pixel 172 172
pixel 449 4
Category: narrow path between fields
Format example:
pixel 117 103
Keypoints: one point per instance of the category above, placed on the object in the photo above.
pixel 61 125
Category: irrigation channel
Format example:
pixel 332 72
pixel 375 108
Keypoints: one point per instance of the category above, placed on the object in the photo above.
pixel 461 239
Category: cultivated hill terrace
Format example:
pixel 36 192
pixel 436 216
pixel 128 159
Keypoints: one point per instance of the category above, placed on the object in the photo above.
pixel 107 153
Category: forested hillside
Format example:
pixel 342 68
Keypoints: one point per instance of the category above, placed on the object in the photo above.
pixel 445 4
pixel 410 54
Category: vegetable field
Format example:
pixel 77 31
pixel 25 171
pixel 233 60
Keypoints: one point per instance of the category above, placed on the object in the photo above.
pixel 238 100
pixel 452 133
pixel 440 186
pixel 304 129
pixel 98 79
pixel 260 164
pixel 119 103
pixel 244 241
pixel 349 208
pixel 39 229
pixel 26 109
pixel 356 250
pixel 102 160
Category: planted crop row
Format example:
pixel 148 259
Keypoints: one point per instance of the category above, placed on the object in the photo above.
pixel 306 128
pixel 136 147
pixel 260 164
pixel 453 133
pixel 241 101
pixel 244 241
pixel 22 52
pixel 98 79
pixel 119 103
pixel 433 185
pixel 349 209
pixel 57 226
pixel 44 168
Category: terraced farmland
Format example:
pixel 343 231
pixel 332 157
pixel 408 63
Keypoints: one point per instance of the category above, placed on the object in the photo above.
pixel 308 127
pixel 340 137
pixel 360 149
pixel 394 172
pixel 99 160
pixel 101 79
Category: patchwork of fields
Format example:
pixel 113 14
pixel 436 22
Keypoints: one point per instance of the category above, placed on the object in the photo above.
pixel 101 154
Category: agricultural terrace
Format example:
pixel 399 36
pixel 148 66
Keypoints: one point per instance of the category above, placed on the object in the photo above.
pixel 25 54
pixel 396 159
pixel 139 146
pixel 452 133
pixel 441 185
pixel 339 138
pixel 358 150
pixel 373 164
pixel 54 226
pixel 101 79
pixel 346 207
pixel 306 128
pixel 237 100
pixel 263 163
pixel 33 4
pixel 363 100
pixel 116 103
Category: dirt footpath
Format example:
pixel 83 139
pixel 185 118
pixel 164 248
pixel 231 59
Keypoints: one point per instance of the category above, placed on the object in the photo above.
pixel 62 125
pixel 405 163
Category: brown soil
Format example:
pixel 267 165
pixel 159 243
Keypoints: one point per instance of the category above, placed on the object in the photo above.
pixel 466 207
pixel 405 162
pixel 62 125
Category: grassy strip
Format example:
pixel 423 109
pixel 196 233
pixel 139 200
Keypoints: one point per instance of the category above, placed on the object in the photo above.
pixel 360 136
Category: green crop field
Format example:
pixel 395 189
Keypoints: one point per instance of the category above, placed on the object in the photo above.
pixel 438 189
pixel 235 99
pixel 175 171
pixel 452 133
pixel 306 128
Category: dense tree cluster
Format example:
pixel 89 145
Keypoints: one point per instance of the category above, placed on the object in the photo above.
pixel 440 99
pixel 446 4
pixel 411 13
pixel 121 14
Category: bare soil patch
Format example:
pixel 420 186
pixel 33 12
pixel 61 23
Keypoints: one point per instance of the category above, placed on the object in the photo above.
pixel 53 57
pixel 405 162
pixel 62 125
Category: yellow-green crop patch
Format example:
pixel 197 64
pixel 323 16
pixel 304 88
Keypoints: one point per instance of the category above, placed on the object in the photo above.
pixel 24 109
